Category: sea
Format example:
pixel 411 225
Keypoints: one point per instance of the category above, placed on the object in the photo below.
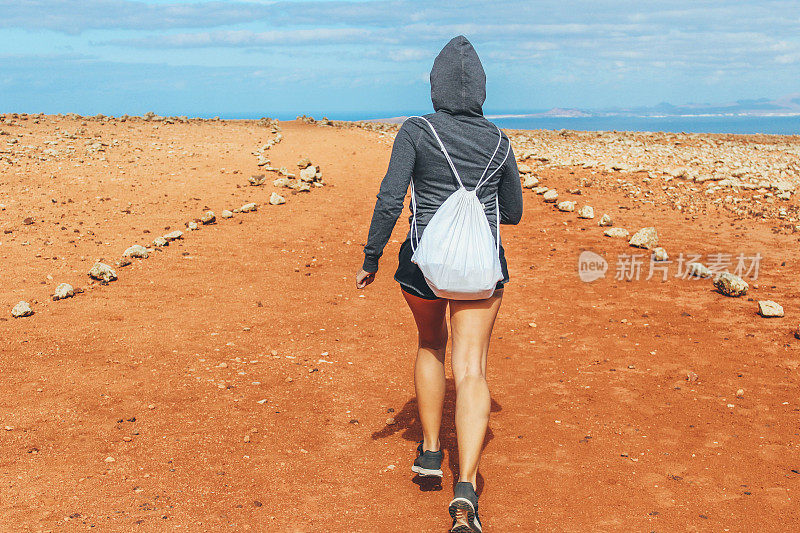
pixel 780 125
pixel 785 125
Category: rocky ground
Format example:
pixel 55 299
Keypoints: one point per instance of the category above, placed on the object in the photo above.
pixel 192 353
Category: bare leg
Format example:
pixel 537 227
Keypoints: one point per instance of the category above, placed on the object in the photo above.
pixel 429 380
pixel 471 322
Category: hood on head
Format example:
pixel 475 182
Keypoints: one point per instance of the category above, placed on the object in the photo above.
pixel 458 82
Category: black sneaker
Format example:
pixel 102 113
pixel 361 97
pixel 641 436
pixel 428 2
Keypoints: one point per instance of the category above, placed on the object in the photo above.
pixel 428 463
pixel 464 509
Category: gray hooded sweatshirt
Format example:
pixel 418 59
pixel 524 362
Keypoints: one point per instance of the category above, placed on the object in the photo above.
pixel 458 90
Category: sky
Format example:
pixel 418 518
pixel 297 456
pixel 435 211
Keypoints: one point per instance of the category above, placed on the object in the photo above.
pixel 371 58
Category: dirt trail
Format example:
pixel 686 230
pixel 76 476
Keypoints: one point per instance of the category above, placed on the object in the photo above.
pixel 252 330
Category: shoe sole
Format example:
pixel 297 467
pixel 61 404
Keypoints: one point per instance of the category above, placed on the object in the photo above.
pixel 463 504
pixel 425 472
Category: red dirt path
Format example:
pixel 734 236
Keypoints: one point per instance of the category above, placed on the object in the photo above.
pixel 594 426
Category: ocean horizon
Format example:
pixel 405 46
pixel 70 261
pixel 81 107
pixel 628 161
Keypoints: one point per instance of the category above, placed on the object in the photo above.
pixel 770 125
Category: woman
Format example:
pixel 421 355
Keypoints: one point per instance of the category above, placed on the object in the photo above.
pixel 458 90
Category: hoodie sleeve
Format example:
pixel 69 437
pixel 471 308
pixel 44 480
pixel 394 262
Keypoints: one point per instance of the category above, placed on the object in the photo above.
pixel 390 197
pixel 510 191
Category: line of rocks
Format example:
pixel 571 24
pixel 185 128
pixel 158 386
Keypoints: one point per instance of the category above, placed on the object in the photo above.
pixel 105 274
pixel 647 238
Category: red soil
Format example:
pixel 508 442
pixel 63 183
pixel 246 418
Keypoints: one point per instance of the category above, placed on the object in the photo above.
pixel 594 425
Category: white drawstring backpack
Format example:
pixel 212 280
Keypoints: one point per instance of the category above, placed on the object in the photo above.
pixel 457 254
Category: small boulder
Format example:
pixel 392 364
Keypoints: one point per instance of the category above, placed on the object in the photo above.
pixel 540 190
pixel 586 211
pixel 257 180
pixel 208 217
pixel 698 270
pixel 550 196
pixel 102 272
pixel 64 290
pixel 566 206
pixel 281 182
pixel 308 174
pixel 137 250
pixel 246 208
pixel 530 181
pixel 616 232
pixel 174 235
pixel 645 238
pixel 605 220
pixel 731 285
pixel 768 308
pixel 276 199
pixel 226 214
pixel 160 242
pixel 22 309
pixel 660 254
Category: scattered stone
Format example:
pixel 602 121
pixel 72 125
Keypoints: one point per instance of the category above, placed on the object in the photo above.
pixel 691 376
pixel 276 199
pixel 123 262
pixel 303 163
pixel 281 182
pixel 64 290
pixel 731 285
pixel 192 226
pixel 616 232
pixel 303 187
pixel 797 332
pixel 109 459
pixel 550 196
pixel 530 181
pixel 768 308
pixel 246 208
pixel 605 220
pixel 226 214
pixel 586 211
pixel 308 174
pixel 660 254
pixel 174 235
pixel 698 270
pixel 27 221
pixel 160 242
pixel 22 309
pixel 102 272
pixel 137 250
pixel 208 217
pixel 540 190
pixel 645 238
pixel 258 180
pixel 566 206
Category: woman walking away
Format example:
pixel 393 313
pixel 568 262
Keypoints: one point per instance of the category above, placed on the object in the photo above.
pixel 445 156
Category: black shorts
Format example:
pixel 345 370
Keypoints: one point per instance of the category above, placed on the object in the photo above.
pixel 411 279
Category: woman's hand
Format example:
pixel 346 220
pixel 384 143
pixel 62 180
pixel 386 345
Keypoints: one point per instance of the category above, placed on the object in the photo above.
pixel 364 278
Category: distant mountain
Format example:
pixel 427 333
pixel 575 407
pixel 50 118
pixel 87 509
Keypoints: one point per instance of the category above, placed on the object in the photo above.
pixel 788 105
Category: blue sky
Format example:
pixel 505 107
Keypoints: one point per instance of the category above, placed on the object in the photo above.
pixel 372 57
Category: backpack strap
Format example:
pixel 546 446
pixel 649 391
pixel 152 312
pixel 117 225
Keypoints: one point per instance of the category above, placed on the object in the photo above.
pixel 443 149
pixel 482 181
